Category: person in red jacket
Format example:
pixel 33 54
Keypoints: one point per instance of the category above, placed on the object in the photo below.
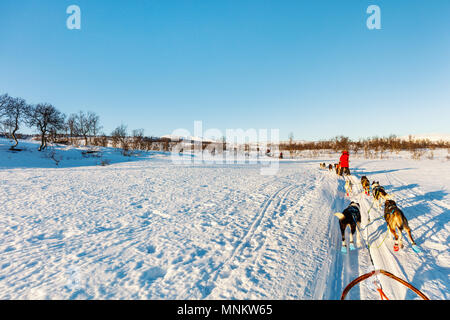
pixel 343 164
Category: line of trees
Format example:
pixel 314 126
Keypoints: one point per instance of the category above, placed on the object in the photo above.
pixel 48 121
pixel 44 117
pixel 51 124
pixel 377 144
pixel 54 126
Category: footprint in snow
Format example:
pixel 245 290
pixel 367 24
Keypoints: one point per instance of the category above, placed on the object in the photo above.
pixel 151 249
pixel 147 249
pixel 151 275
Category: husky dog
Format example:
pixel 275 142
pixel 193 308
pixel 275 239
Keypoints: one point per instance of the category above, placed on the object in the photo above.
pixel 366 184
pixel 337 168
pixel 348 187
pixel 351 216
pixel 330 167
pixel 379 194
pixel 396 219
pixel 322 166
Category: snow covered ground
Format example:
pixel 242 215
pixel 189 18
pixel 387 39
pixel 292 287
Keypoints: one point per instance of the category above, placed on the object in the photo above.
pixel 145 227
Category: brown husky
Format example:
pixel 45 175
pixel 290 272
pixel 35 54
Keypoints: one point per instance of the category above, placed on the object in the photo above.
pixel 366 184
pixel 396 219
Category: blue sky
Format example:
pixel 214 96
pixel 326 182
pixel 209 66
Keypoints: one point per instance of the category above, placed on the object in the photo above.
pixel 308 67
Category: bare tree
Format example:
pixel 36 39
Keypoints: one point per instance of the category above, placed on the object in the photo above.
pixel 119 137
pixel 45 118
pixel 15 111
pixel 4 101
pixel 72 126
pixel 84 124
pixel 138 139
pixel 94 122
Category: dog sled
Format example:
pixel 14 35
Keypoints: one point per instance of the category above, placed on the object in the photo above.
pixel 379 289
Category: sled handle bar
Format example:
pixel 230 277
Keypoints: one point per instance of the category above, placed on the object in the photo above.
pixel 386 273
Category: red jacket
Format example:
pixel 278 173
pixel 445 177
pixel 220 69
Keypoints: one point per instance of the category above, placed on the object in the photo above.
pixel 343 161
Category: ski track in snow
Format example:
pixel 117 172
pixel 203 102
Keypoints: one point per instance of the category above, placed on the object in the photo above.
pixel 152 229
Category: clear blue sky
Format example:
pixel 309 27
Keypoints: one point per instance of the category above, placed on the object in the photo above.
pixel 308 67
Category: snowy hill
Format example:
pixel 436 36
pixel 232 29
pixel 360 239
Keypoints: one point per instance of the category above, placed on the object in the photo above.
pixel 62 156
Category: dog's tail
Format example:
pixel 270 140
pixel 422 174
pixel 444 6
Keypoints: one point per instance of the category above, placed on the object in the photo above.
pixel 339 215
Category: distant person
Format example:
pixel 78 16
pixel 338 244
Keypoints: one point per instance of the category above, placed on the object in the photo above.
pixel 344 164
pixel 281 155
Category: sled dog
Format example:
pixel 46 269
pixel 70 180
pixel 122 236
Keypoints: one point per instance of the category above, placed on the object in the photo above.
pixel 338 168
pixel 396 219
pixel 379 194
pixel 348 187
pixel 351 216
pixel 366 184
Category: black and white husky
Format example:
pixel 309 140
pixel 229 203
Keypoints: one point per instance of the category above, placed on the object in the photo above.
pixel 351 216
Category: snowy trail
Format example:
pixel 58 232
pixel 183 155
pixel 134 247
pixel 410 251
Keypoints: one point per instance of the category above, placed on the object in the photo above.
pixel 423 270
pixel 278 262
pixel 256 238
